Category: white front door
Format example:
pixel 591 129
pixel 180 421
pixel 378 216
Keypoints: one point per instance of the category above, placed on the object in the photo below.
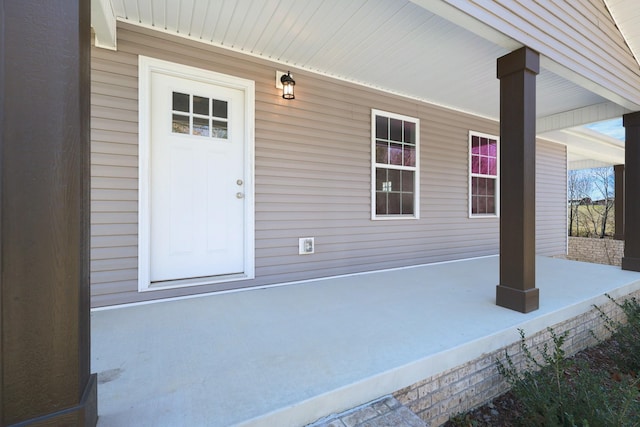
pixel 197 179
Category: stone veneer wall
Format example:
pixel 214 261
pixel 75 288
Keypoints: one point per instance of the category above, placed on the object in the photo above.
pixel 600 251
pixel 477 382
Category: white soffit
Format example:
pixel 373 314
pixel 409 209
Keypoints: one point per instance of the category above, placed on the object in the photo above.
pixel 394 45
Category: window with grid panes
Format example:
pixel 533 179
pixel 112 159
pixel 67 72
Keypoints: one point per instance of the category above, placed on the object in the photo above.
pixel 483 175
pixel 395 165
pixel 199 116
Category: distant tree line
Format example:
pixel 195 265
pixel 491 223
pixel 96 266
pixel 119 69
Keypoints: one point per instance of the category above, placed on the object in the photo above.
pixel 591 201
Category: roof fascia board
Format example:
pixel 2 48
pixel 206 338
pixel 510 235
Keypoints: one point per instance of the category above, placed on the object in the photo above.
pixel 103 21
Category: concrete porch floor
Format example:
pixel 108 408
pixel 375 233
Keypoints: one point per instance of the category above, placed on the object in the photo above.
pixel 289 355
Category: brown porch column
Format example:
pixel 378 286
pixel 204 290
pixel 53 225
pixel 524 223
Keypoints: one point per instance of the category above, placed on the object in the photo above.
pixel 631 258
pixel 44 212
pixel 517 73
pixel 618 173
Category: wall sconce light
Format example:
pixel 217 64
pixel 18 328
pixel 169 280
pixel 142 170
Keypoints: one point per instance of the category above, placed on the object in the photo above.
pixel 286 83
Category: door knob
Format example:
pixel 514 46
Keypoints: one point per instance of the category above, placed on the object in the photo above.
pixel 240 195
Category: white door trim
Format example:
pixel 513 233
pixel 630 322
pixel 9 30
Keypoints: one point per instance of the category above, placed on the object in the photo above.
pixel 146 67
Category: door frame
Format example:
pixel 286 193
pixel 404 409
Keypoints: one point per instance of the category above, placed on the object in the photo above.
pixel 147 66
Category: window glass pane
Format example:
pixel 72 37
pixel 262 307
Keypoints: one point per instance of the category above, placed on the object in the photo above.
pixel 394 179
pixel 481 204
pixel 381 178
pixel 475 164
pixel 410 132
pixel 395 154
pixel 219 129
pixel 180 124
pixel 220 109
pixel 493 166
pixel 180 102
pixel 395 133
pixel 407 203
pixel 382 127
pixel 491 205
pixel 479 187
pixel 200 126
pixel 200 105
pixel 475 145
pixel 382 152
pixel 409 155
pixel 474 204
pixel 393 203
pixel 484 147
pixel 474 186
pixel 484 165
pixel 491 187
pixel 381 203
pixel 407 180
pixel 493 148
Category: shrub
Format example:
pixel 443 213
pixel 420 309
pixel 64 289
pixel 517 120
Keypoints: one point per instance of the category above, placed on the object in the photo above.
pixel 626 334
pixel 556 391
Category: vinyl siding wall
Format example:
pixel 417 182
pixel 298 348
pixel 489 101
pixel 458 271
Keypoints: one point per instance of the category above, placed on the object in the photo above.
pixel 312 175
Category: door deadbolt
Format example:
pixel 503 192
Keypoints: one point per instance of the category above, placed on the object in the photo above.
pixel 239 182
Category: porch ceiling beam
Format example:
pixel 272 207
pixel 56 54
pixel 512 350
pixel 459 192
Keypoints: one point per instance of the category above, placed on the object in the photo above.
pixel 580 117
pixel 103 21
pixel 582 163
pixel 589 144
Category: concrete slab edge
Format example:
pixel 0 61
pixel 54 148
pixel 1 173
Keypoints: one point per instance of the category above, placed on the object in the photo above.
pixel 378 386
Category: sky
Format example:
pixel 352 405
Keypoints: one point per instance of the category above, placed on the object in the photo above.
pixel 612 128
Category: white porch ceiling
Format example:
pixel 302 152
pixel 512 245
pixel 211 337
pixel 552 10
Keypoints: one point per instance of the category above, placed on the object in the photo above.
pixel 393 45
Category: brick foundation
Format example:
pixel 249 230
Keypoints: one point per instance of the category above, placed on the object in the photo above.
pixel 600 251
pixel 477 382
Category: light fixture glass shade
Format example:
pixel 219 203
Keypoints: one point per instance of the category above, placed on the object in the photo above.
pixel 287 86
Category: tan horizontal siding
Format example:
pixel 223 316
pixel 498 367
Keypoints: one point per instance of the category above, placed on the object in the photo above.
pixel 551 199
pixel 114 165
pixel 312 174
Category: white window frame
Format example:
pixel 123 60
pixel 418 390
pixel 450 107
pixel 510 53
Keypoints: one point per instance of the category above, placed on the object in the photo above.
pixel 416 168
pixel 472 175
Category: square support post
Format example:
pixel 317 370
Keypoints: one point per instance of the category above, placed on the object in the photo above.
pixel 44 214
pixel 631 258
pixel 618 173
pixel 517 73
